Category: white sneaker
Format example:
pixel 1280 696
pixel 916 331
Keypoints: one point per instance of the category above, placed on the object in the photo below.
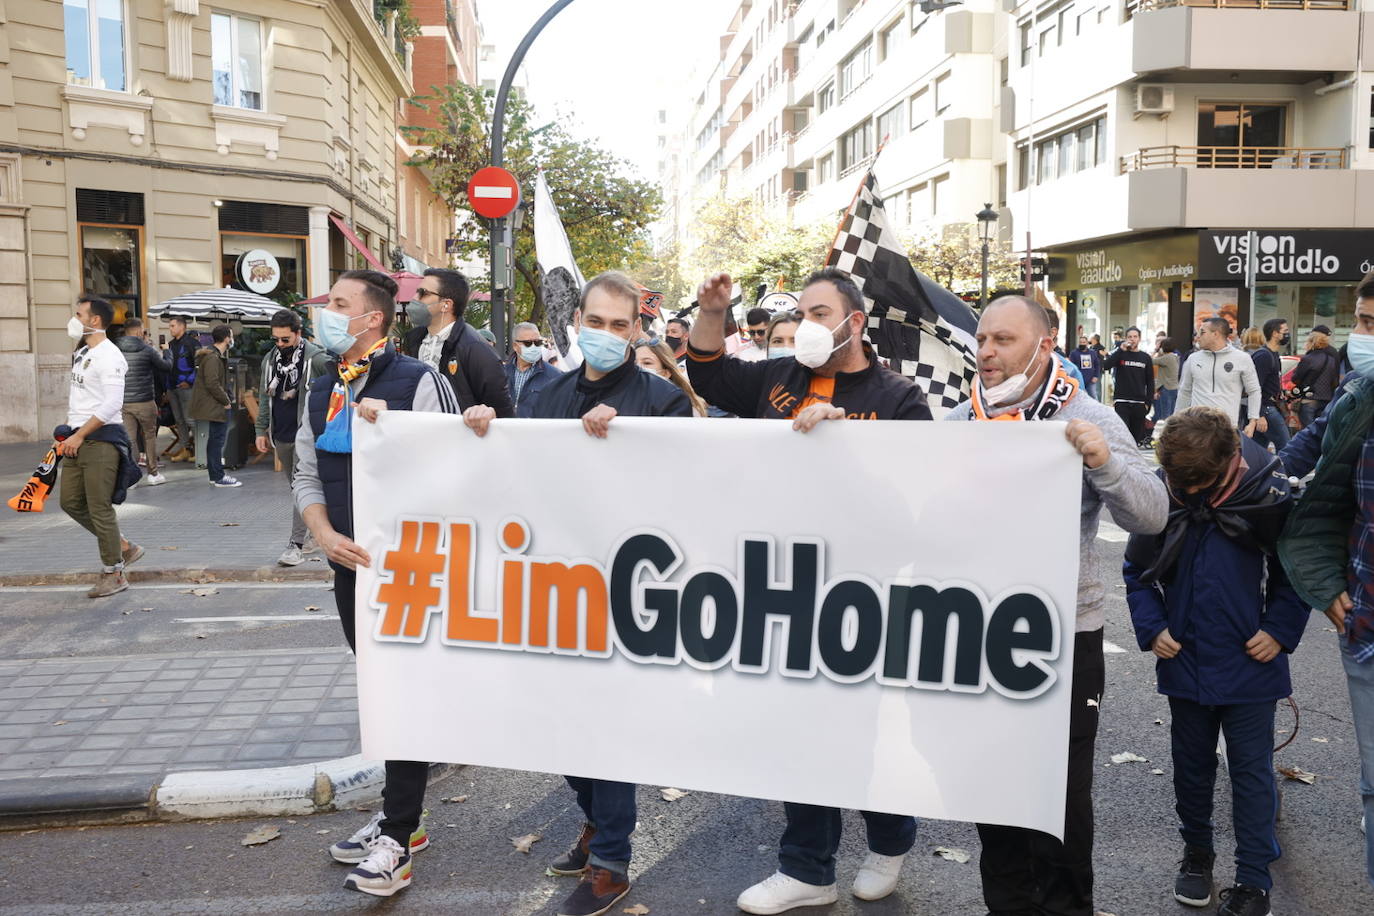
pixel 385 871
pixel 878 876
pixel 154 479
pixel 291 556
pixel 779 893
pixel 354 849
pixel 309 546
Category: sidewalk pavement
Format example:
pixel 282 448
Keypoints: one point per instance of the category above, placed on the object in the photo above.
pixel 189 529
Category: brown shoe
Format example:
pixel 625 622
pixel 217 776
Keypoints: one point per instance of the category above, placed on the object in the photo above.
pixel 111 583
pixel 132 554
pixel 574 861
pixel 596 893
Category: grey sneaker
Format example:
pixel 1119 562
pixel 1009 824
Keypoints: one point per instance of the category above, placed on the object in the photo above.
pixel 227 481
pixel 291 556
pixel 110 583
pixel 132 554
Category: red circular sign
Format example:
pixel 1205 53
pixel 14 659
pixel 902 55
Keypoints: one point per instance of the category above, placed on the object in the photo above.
pixel 493 192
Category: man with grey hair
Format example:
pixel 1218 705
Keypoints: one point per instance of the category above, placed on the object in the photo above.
pixel 1217 375
pixel 1025 871
pixel 527 370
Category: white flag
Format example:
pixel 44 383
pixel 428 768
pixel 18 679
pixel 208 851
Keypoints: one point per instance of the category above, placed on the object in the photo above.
pixel 562 281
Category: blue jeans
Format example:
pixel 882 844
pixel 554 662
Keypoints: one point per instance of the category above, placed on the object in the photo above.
pixel 1308 411
pixel 812 838
pixel 1249 730
pixel 214 447
pixel 1360 678
pixel 1164 407
pixel 1277 433
pixel 610 808
pixel 1094 388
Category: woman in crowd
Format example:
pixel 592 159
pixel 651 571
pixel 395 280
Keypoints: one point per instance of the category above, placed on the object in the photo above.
pixel 654 356
pixel 1166 379
pixel 782 335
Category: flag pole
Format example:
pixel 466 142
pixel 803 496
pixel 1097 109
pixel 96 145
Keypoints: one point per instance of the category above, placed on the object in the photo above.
pixel 857 191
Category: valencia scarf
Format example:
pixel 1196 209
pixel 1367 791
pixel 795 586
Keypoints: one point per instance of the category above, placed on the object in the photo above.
pixel 338 419
pixel 1058 390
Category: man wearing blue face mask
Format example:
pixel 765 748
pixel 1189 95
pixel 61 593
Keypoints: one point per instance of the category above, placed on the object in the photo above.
pixel 608 384
pixel 367 376
pixel 1328 546
pixel 527 371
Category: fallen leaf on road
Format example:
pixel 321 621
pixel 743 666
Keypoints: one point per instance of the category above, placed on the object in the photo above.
pixel 1157 771
pixel 671 795
pixel 523 843
pixel 321 832
pixel 952 853
pixel 60 722
pixel 1322 740
pixel 126 613
pixel 638 909
pixel 1128 757
pixel 263 834
pixel 312 607
pixel 228 524
pixel 167 548
pixel 1159 721
pixel 200 636
pixel 1298 775
pixel 145 609
pixel 456 799
pixel 201 592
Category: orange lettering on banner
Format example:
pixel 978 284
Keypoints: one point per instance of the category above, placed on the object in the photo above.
pixel 512 600
pixel 461 624
pixel 410 595
pixel 571 583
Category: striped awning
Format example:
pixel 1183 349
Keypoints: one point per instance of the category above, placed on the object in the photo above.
pixel 218 305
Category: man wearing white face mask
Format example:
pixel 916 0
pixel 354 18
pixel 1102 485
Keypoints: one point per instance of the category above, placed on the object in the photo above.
pixel 1020 379
pixel 832 375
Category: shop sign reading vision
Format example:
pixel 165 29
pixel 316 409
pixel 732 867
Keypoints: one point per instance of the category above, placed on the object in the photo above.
pixel 936 649
pixel 1161 260
pixel 1312 255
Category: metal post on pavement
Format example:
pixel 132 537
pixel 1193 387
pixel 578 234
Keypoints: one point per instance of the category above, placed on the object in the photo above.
pixel 499 328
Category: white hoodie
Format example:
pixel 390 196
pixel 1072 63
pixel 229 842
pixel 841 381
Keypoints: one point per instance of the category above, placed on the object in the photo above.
pixel 1219 378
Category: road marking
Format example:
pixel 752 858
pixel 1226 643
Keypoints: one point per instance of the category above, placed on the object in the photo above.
pixel 162 586
pixel 460 899
pixel 254 617
pixel 492 191
pixel 1111 648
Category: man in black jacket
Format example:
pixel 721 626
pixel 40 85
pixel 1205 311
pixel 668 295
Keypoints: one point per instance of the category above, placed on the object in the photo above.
pixel 608 384
pixel 140 399
pixel 447 343
pixel 839 379
pixel 1269 369
pixel 1134 383
pixel 833 376
pixel 181 352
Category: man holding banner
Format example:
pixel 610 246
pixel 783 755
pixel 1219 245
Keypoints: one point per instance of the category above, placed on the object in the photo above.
pixel 826 380
pixel 369 377
pixel 1026 871
pixel 608 384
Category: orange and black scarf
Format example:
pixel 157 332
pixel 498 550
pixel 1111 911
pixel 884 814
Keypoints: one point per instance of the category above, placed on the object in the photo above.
pixel 1058 390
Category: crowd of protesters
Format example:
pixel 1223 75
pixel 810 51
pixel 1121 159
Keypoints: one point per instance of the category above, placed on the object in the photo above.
pixel 1223 565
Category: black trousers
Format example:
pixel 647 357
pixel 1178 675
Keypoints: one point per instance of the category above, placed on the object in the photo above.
pixel 1133 415
pixel 1029 872
pixel 403 796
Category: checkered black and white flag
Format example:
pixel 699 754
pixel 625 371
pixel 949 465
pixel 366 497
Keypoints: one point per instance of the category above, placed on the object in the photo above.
pixel 921 328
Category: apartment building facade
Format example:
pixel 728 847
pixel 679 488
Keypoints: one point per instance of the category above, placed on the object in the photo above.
pixel 1150 143
pixel 145 146
pixel 803 94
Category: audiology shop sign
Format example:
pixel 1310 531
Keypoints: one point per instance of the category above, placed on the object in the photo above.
pixel 888 627
pixel 1280 254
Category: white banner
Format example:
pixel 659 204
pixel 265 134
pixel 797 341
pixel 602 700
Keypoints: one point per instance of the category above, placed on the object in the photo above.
pixel 886 625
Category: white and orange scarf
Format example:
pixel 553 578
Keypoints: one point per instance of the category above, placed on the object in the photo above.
pixel 1058 390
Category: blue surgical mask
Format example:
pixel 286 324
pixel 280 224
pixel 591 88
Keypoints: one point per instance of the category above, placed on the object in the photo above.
pixel 1360 351
pixel 781 352
pixel 531 354
pixel 333 331
pixel 602 350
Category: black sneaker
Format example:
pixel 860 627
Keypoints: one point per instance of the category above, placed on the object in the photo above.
pixel 574 861
pixel 1193 886
pixel 1243 900
pixel 596 893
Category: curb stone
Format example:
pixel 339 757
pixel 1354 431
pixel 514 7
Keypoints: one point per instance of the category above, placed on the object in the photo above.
pixel 312 572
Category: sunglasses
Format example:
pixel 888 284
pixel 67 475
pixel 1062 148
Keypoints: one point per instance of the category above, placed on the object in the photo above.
pixel 535 342
pixel 759 333
pixel 281 339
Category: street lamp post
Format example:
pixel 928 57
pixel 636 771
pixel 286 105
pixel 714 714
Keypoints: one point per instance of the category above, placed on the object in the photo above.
pixel 501 244
pixel 987 217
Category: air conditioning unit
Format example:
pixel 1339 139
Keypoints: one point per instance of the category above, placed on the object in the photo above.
pixel 1152 98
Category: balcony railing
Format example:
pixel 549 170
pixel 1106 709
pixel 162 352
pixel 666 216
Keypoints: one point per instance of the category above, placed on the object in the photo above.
pixel 1234 157
pixel 1142 6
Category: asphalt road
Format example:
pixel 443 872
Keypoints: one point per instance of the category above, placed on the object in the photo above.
pixel 691 856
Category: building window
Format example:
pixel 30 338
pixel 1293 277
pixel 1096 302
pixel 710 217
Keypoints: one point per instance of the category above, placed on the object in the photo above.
pixel 1002 186
pixel 918 206
pixel 1065 21
pixel 856 146
pixel 95 43
pixel 1004 70
pixel 1234 126
pixel 1068 144
pixel 110 227
pixel 942 93
pixel 1025 44
pixel 890 122
pixel 1023 167
pixel 825 169
pixel 236 59
pixel 1100 126
pixel 855 68
pixel 920 107
pixel 1044 161
pixel 825 97
pixel 937 192
pixel 280 230
pixel 890 39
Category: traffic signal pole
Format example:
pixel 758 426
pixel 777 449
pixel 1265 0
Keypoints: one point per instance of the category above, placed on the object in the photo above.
pixel 502 248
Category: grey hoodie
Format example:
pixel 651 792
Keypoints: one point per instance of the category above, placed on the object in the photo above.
pixel 1126 485
pixel 1220 379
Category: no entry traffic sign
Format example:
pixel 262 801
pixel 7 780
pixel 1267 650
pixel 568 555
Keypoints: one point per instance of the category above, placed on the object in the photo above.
pixel 493 192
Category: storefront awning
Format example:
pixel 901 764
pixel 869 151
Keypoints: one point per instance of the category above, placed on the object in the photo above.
pixel 357 243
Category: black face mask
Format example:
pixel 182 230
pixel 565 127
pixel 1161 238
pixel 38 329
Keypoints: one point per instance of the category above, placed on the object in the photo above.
pixel 674 343
pixel 1283 341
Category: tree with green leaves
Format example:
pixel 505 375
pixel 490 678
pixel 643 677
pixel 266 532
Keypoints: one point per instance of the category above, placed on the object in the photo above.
pixel 605 210
pixel 954 259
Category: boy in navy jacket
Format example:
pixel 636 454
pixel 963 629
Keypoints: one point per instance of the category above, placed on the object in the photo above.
pixel 1209 597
